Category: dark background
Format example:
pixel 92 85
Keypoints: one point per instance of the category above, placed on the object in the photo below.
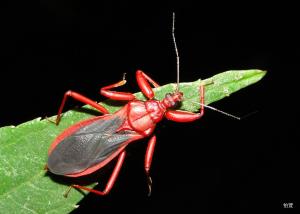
pixel 216 163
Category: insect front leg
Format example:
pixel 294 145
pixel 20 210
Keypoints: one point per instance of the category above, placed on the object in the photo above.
pixel 148 161
pixel 116 95
pixel 110 182
pixel 185 116
pixel 143 82
pixel 82 99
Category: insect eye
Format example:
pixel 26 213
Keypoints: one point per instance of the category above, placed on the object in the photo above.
pixel 168 95
pixel 176 104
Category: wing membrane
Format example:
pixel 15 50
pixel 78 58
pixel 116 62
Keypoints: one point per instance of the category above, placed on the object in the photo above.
pixel 88 146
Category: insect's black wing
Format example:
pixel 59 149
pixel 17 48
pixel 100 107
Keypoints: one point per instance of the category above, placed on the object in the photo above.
pixel 88 146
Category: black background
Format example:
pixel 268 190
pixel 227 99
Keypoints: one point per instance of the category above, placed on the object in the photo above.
pixel 216 163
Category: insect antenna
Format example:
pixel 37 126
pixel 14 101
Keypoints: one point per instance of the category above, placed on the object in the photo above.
pixel 178 74
pixel 176 51
pixel 223 112
pixel 220 111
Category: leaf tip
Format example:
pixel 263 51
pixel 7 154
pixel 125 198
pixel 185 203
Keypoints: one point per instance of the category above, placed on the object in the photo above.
pixel 264 72
pixel 261 73
pixel 256 74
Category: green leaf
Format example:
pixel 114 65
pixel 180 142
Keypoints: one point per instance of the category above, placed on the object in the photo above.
pixel 25 186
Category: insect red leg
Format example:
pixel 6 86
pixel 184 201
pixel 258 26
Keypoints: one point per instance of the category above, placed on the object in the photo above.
pixel 184 116
pixel 115 95
pixel 111 180
pixel 82 99
pixel 143 82
pixel 148 160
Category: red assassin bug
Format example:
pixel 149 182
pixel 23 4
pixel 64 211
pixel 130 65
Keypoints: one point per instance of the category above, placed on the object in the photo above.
pixel 89 145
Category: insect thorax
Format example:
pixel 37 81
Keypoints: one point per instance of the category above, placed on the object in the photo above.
pixel 143 116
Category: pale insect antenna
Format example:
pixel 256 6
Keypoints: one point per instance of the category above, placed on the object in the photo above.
pixel 220 111
pixel 176 51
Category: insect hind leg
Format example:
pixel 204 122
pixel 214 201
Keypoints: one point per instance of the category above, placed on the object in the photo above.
pixel 110 182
